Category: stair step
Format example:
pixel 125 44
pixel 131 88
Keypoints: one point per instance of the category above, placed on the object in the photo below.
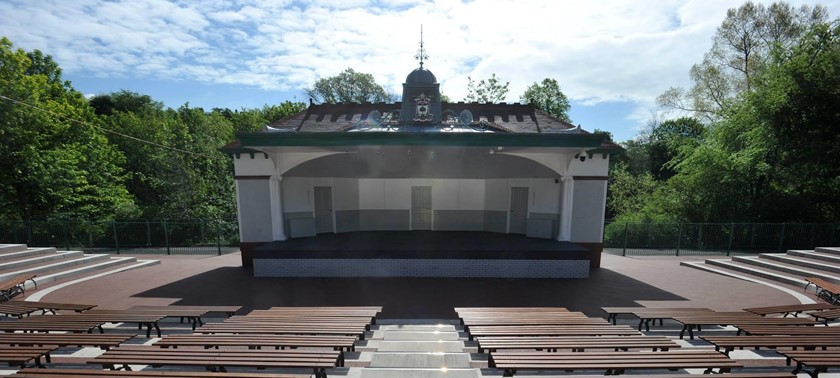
pixel 831 250
pixel 756 271
pixel 803 262
pixel 40 259
pixel 419 373
pixel 786 268
pixel 7 256
pixel 417 346
pixel 85 259
pixel 815 255
pixel 9 248
pixel 85 269
pixel 420 360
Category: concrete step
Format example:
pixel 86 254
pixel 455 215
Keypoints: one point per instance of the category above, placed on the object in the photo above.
pixel 831 250
pixel 830 257
pixel 40 259
pixel 419 373
pixel 27 252
pixel 8 248
pixel 65 264
pixel 419 360
pixel 787 268
pixel 803 262
pixel 112 265
pixel 752 270
pixel 414 346
pixel 389 335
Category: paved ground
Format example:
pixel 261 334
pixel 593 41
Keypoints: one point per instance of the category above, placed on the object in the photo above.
pixel 622 281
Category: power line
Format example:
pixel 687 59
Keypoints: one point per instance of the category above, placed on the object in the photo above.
pixel 66 118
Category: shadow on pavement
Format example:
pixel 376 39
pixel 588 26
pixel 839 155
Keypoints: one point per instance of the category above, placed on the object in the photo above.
pixel 410 298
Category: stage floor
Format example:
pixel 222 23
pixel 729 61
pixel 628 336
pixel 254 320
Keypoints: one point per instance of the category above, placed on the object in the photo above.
pixel 421 254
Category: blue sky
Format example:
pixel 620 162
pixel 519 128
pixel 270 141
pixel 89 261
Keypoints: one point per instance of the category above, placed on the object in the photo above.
pixel 611 58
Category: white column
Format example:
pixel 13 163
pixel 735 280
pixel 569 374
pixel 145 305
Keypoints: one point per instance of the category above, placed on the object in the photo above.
pixel 238 210
pixel 566 205
pixel 278 230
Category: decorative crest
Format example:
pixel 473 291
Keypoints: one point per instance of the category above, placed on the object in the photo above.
pixel 421 53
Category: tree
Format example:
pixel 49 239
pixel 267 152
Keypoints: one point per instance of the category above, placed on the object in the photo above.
pixel 740 51
pixel 489 91
pixel 56 161
pixel 348 86
pixel 668 140
pixel 548 97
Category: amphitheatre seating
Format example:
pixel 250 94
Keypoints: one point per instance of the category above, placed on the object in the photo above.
pixel 219 360
pixel 52 307
pixel 790 309
pixel 610 362
pixel 15 286
pixel 339 343
pixel 646 314
pixel 575 344
pixel 76 373
pixel 227 310
pixel 826 316
pixel 52 324
pixel 193 316
pixel 12 310
pixel 737 319
pixel 63 339
pixel 829 291
pixel 808 342
pixel 21 355
pixel 818 360
pixel 551 330
pixel 787 330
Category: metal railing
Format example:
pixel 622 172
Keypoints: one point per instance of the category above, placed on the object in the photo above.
pixel 716 238
pixel 136 237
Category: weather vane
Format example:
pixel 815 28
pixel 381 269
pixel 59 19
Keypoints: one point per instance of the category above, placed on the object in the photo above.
pixel 421 53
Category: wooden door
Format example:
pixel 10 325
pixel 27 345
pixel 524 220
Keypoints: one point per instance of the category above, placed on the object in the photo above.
pixel 518 210
pixel 323 210
pixel 421 207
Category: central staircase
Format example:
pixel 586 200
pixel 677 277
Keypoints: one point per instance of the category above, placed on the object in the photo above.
pixel 50 265
pixel 789 268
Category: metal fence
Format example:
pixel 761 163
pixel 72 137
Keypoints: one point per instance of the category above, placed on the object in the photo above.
pixel 137 237
pixel 716 238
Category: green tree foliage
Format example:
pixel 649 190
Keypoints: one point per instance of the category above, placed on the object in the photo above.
pixel 490 90
pixel 56 162
pixel 740 51
pixel 348 86
pixel 548 97
pixel 668 140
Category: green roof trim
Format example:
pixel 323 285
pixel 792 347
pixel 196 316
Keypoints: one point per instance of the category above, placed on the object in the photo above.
pixel 281 139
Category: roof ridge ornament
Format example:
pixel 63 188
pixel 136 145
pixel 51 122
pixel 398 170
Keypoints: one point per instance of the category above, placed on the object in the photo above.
pixel 421 52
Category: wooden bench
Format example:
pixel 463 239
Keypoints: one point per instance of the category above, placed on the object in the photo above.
pixel 829 291
pixel 349 311
pixel 818 360
pixel 56 325
pixel 15 286
pixel 789 309
pixel 53 307
pixel 737 319
pixel 79 373
pixel 575 344
pixel 336 342
pixel 219 360
pixel 12 310
pixel 826 315
pixel 284 328
pixel 63 339
pixel 227 310
pixel 787 330
pixel 193 316
pixel 646 314
pixel 305 319
pixel 21 355
pixel 611 362
pixel 551 330
pixel 808 342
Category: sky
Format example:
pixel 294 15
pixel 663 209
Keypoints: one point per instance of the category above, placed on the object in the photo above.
pixel 610 57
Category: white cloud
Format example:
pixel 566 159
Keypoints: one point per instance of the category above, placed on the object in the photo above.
pixel 604 51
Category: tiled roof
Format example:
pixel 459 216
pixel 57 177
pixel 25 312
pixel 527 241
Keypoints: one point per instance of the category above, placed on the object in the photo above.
pixel 504 118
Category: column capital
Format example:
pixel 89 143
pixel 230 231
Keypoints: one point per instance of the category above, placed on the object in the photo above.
pixel 567 178
pixel 277 177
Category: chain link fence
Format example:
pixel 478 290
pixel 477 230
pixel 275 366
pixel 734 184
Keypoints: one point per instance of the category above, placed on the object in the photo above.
pixel 165 237
pixel 716 238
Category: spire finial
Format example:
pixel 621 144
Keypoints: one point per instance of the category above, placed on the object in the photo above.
pixel 421 53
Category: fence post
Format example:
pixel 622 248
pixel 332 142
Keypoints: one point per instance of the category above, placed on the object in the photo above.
pixel 90 234
pixel 166 237
pixel 219 237
pixel 624 248
pixel 66 236
pixel 116 240
pixel 833 231
pixel 28 232
pixel 148 234
pixel 731 235
pixel 201 231
pixel 679 238
pixel 782 237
